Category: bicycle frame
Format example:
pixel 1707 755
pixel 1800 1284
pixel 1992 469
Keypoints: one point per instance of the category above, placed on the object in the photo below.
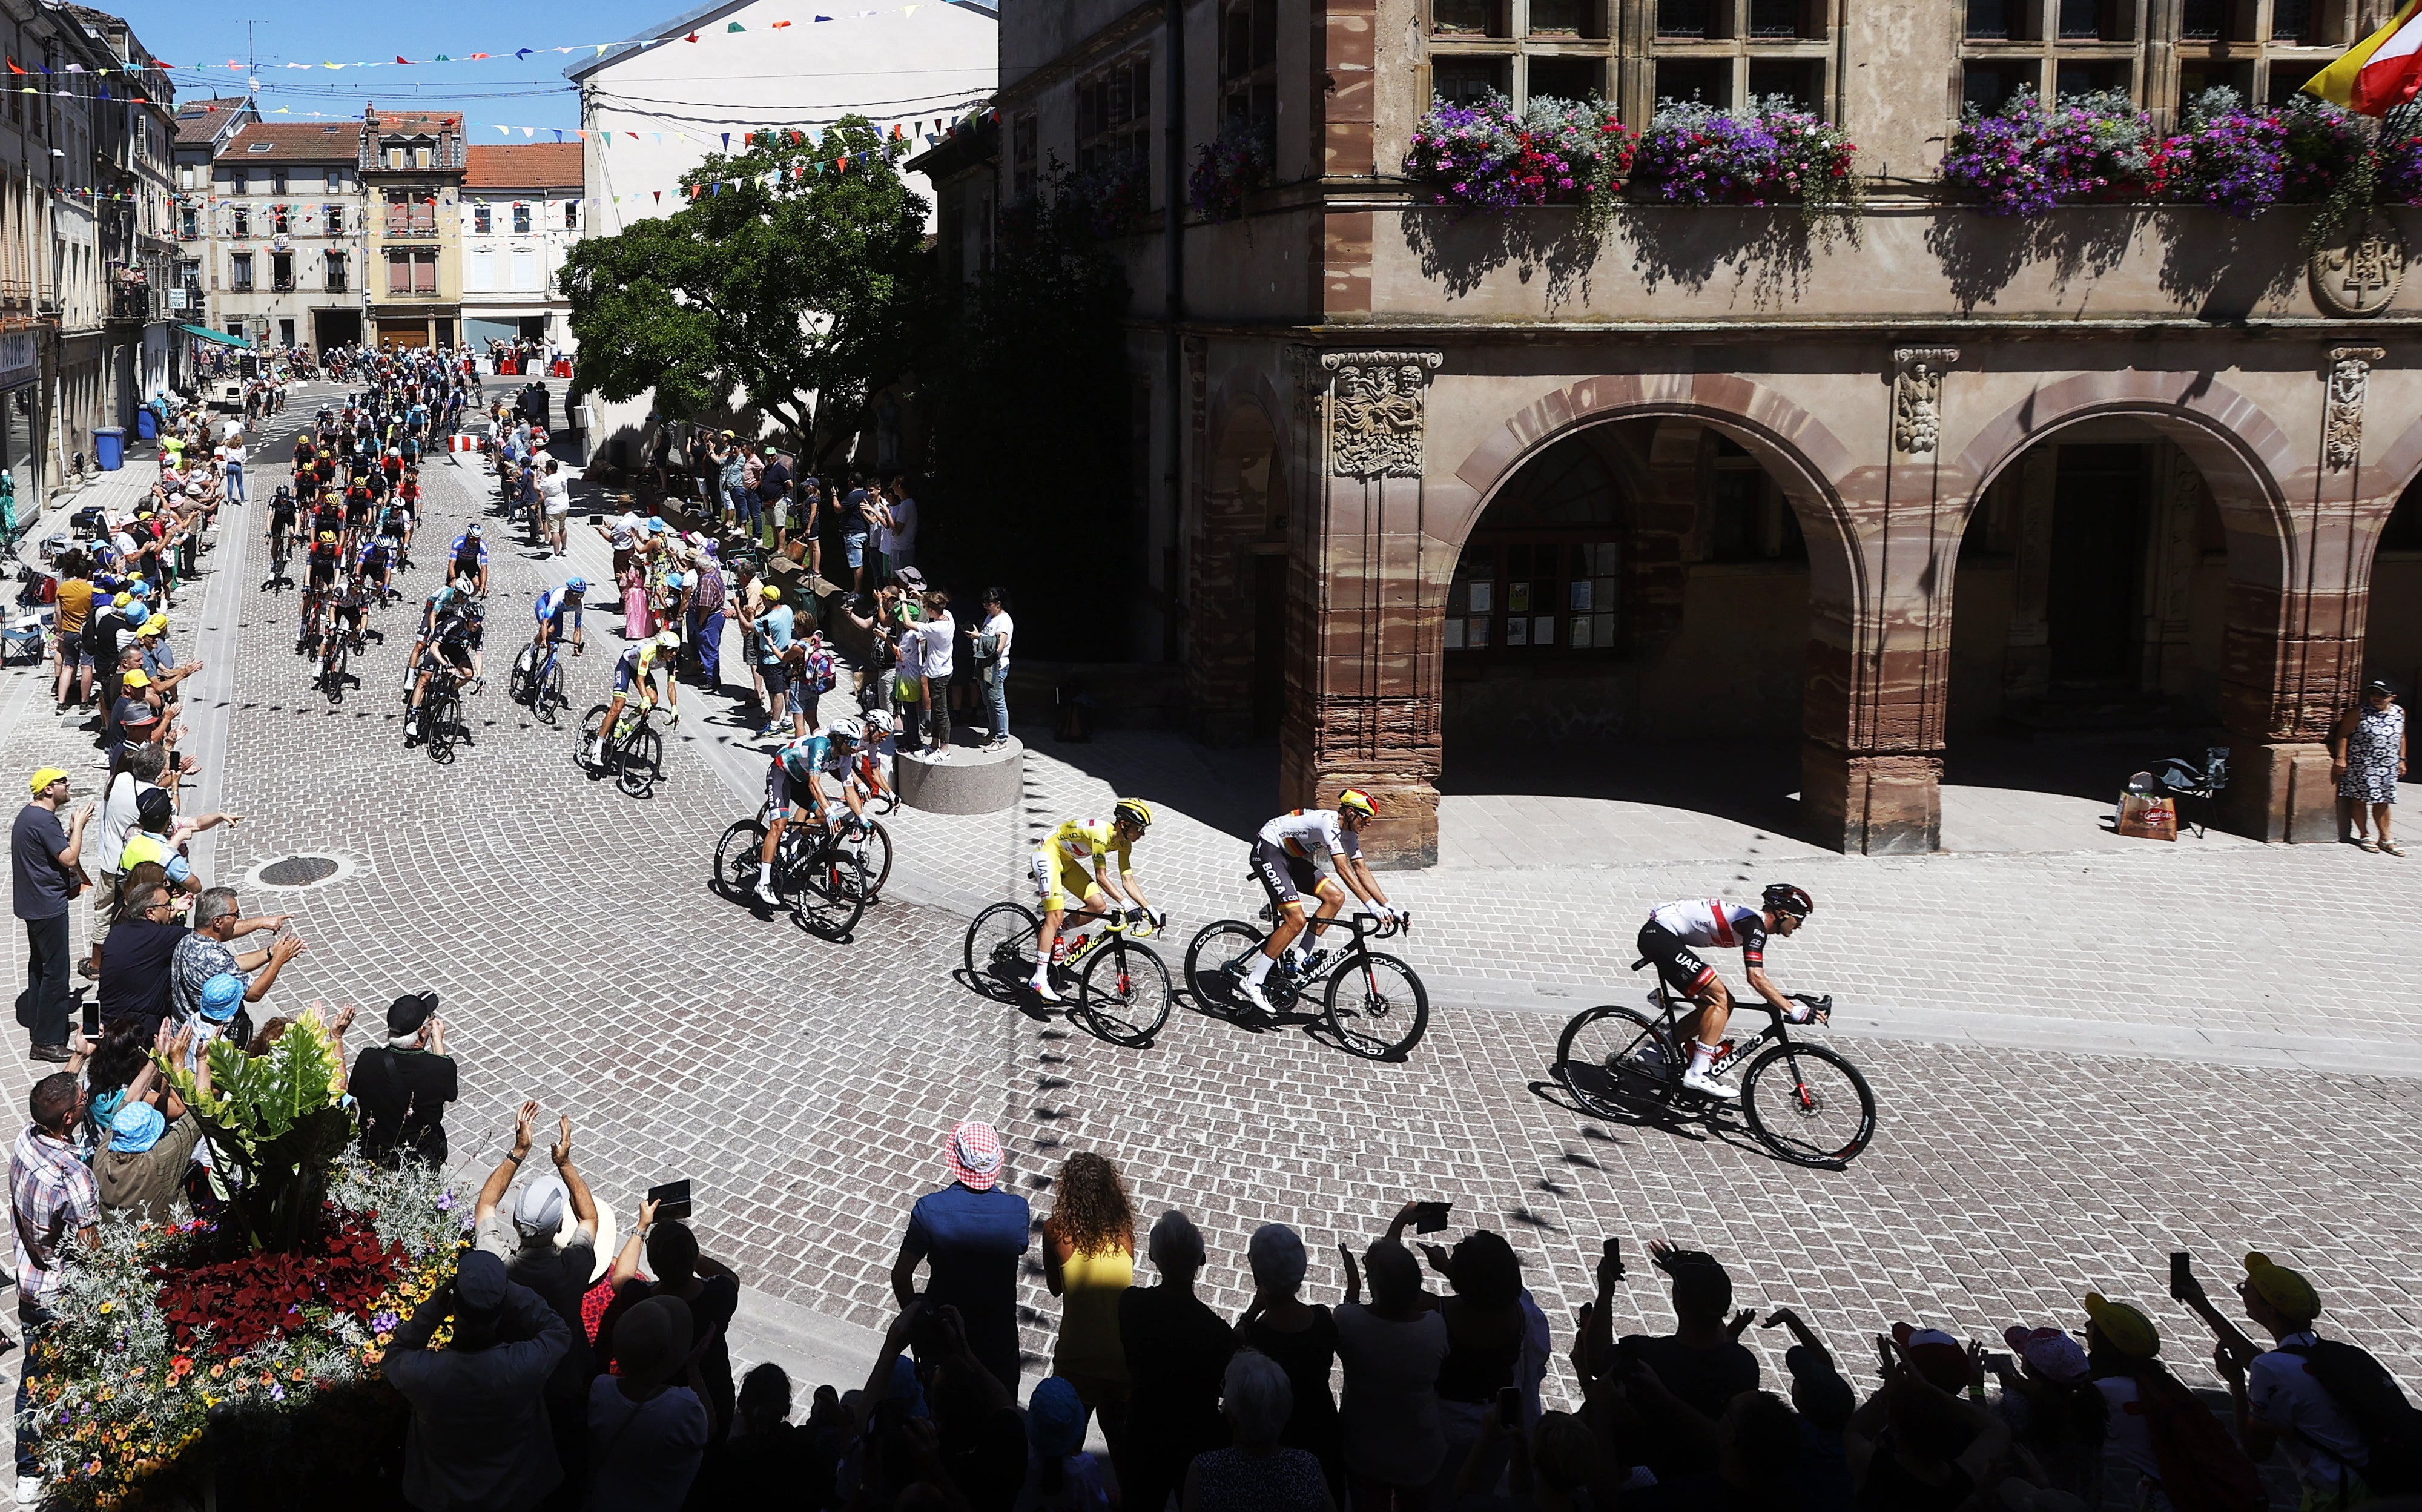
pixel 1778 1028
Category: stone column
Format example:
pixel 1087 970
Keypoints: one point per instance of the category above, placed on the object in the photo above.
pixel 1364 677
pixel 2294 646
pixel 1879 638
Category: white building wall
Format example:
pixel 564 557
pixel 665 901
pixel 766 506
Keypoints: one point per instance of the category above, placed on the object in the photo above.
pixel 507 273
pixel 654 112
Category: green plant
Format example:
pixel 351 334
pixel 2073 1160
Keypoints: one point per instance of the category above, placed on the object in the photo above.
pixel 277 1124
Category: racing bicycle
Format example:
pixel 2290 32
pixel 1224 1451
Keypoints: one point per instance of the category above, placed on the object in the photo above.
pixel 441 712
pixel 634 757
pixel 281 551
pixel 1375 1004
pixel 1123 989
pixel 539 681
pixel 818 876
pixel 1807 1104
pixel 339 643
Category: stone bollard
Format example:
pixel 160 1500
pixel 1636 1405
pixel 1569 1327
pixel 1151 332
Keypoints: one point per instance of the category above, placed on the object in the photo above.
pixel 970 781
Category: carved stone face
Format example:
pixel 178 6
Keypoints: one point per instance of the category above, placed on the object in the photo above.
pixel 1408 379
pixel 1353 386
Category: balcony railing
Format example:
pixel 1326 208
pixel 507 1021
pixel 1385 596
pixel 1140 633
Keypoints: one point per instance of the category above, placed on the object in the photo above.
pixel 131 305
pixel 336 283
pixel 243 286
pixel 282 286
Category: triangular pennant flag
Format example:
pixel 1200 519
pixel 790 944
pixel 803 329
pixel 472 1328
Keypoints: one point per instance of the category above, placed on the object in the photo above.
pixel 691 37
pixel 523 53
pixel 660 197
pixel 401 58
pixel 779 24
pixel 735 26
pixel 727 141
pixel 532 131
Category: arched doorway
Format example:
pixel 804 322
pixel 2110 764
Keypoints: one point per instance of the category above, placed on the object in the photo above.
pixel 2392 641
pixel 1629 621
pixel 2087 631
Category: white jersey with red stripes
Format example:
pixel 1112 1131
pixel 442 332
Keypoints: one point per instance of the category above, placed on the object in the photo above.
pixel 1713 922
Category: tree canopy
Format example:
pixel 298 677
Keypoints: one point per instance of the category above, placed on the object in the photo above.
pixel 790 280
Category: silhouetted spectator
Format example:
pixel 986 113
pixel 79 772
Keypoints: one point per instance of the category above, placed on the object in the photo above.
pixel 479 1436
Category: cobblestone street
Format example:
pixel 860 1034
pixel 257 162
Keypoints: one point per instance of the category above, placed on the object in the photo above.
pixel 2084 1060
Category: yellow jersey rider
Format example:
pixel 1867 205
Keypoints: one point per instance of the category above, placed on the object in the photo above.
pixel 1060 875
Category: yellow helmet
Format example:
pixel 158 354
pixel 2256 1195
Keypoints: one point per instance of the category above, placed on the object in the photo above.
pixel 1135 811
pixel 1354 800
pixel 773 594
pixel 328 538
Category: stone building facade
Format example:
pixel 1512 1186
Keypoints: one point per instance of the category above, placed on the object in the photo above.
pixel 1433 483
pixel 411 173
pixel 286 234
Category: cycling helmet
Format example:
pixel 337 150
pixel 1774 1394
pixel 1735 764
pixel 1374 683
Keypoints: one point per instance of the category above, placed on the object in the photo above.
pixel 1354 800
pixel 773 594
pixel 328 538
pixel 846 729
pixel 1135 811
pixel 1784 898
pixel 575 584
pixel 879 721
pixel 477 530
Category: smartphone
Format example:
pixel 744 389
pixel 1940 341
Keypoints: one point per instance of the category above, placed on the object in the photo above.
pixel 1430 1218
pixel 671 1200
pixel 1509 1409
pixel 2181 1276
pixel 1612 1250
pixel 1997 1361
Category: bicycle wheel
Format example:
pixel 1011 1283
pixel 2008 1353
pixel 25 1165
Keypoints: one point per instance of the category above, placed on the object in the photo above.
pixel 1207 958
pixel 1808 1105
pixel 1124 994
pixel 830 892
pixel 1001 949
pixel 591 723
pixel 1616 1062
pixel 1377 1007
pixel 876 850
pixel 441 720
pixel 735 859
pixel 550 692
pixel 639 762
pixel 333 676
pixel 518 686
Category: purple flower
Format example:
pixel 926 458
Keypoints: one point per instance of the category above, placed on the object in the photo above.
pixel 446 1201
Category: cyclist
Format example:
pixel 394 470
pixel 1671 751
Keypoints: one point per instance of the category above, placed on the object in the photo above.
pixel 327 556
pixel 552 607
pixel 868 770
pixel 1060 874
pixel 327 513
pixel 469 555
pixel 376 560
pixel 1675 932
pixel 282 513
pixel 341 621
pixel 792 781
pixel 1287 856
pixel 456 645
pixel 637 668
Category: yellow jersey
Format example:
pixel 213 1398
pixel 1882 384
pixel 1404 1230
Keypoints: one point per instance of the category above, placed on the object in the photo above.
pixel 1079 842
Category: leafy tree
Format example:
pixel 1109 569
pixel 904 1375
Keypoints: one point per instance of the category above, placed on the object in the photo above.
pixel 785 282
pixel 1031 430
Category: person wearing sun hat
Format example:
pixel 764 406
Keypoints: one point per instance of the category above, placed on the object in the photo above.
pixel 402 1087
pixel 45 872
pixel 970 1235
pixel 2279 1396
pixel 141 1162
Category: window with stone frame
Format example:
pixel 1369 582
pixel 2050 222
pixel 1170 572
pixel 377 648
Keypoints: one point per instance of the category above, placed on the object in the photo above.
pixel 521 220
pixel 332 219
pixel 1541 575
pixel 1114 115
pixel 244 220
pixel 1249 61
pixel 1721 52
pixel 1023 157
pixel 2163 57
pixel 483 220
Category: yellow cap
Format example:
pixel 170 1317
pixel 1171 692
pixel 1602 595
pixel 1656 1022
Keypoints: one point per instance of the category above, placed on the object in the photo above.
pixel 2283 1288
pixel 156 625
pixel 134 678
pixel 2123 1327
pixel 47 776
pixel 773 594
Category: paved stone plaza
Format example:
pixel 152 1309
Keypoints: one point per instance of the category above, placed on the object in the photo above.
pixel 2085 1057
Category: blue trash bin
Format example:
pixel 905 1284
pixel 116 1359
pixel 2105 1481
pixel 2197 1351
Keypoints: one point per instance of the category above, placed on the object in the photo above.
pixel 109 447
pixel 147 424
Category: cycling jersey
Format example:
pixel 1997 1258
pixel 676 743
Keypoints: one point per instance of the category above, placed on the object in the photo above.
pixel 325 560
pixel 468 546
pixel 633 667
pixel 1714 921
pixel 1311 834
pixel 555 603
pixel 1080 840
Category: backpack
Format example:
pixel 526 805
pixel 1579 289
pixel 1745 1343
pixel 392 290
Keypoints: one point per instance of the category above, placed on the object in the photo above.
pixel 2362 1388
pixel 2202 1468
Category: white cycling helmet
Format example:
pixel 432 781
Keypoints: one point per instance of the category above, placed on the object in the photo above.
pixel 668 641
pixel 879 721
pixel 846 729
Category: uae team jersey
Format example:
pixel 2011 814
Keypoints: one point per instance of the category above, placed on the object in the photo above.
pixel 1713 922
pixel 1311 834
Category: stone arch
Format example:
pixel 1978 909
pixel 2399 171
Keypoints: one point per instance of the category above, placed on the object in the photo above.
pixel 1867 764
pixel 2247 459
pixel 2293 606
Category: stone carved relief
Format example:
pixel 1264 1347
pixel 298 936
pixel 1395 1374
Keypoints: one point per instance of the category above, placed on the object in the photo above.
pixel 1377 410
pixel 2357 271
pixel 1917 396
pixel 2342 420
